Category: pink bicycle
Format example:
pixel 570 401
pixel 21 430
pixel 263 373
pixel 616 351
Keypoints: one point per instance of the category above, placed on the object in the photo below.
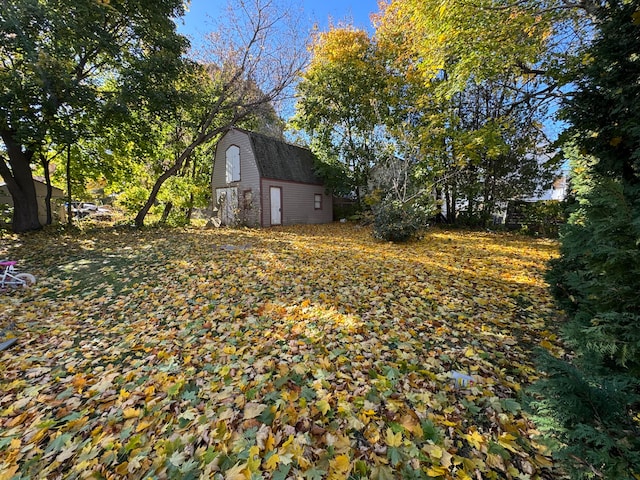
pixel 10 277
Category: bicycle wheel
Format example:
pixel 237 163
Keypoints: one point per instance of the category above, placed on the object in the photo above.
pixel 21 280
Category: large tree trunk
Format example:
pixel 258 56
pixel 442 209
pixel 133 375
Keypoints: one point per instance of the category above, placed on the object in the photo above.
pixel 190 205
pixel 20 184
pixel 189 211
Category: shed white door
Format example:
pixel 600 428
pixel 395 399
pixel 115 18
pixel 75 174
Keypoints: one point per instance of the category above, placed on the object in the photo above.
pixel 276 205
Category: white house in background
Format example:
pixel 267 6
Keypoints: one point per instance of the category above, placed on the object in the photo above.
pixel 260 181
pixel 558 190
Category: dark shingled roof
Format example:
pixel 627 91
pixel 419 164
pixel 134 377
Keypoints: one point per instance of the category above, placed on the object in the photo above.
pixel 279 160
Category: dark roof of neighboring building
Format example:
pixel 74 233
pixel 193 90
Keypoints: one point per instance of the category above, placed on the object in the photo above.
pixel 279 160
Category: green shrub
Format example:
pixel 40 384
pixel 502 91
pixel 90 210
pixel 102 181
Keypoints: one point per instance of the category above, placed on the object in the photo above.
pixel 584 414
pixel 132 199
pixel 396 221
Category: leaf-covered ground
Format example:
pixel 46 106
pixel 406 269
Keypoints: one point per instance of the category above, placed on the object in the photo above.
pixel 302 352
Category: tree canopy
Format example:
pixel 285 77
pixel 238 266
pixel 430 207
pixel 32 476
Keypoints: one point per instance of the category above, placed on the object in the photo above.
pixel 66 63
pixel 338 101
pixel 459 92
pixel 252 60
pixel 109 84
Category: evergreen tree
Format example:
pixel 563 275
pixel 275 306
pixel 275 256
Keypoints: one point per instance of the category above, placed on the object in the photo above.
pixel 590 404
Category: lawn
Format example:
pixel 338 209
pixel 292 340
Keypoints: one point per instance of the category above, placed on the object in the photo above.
pixel 303 352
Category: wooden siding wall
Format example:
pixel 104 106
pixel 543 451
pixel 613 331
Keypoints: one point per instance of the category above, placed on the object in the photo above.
pixel 297 203
pixel 249 175
pixel 57 200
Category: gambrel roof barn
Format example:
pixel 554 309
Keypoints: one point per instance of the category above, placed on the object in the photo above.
pixel 261 181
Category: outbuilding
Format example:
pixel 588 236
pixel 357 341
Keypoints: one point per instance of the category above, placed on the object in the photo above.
pixel 57 199
pixel 261 181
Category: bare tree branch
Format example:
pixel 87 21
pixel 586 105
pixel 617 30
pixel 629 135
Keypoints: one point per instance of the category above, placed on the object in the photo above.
pixel 254 57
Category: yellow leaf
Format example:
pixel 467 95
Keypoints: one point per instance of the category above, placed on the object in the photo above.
pixel 436 471
pixel 323 406
pixel 9 473
pixel 289 395
pixel 236 472
pixel 272 462
pixel 123 468
pixel 446 459
pixel 300 369
pixel 143 425
pixel 543 461
pixel 253 462
pixel 341 464
pixel 411 423
pixel 124 394
pixel 507 441
pixel 546 344
pixel 270 443
pixel 495 461
pixel 475 439
pixel 462 475
pixel 131 412
pixel 434 451
pixel 393 439
pixel 288 442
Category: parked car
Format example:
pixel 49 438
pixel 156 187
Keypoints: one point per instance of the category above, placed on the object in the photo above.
pixel 88 207
pixel 82 209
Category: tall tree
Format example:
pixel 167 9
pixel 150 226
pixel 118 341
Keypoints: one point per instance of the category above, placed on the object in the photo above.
pixel 479 79
pixel 591 405
pixel 254 58
pixel 341 103
pixel 496 149
pixel 56 57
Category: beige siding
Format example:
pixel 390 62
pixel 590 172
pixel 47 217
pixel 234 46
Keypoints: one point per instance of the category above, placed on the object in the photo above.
pixel 249 177
pixel 297 203
pixel 57 199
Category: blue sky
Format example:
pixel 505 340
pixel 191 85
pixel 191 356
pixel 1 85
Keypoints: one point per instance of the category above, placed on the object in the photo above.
pixel 197 21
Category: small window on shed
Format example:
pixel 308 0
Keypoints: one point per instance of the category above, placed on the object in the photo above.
pixel 233 164
pixel 317 201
